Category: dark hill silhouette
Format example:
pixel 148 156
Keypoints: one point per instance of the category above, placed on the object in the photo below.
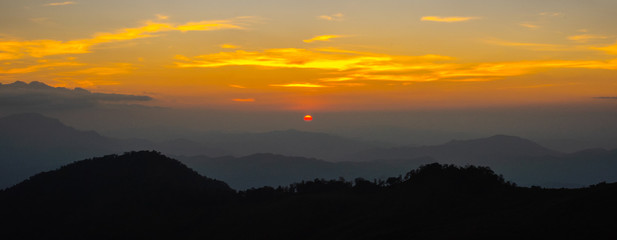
pixel 137 190
pixel 31 143
pixel 147 195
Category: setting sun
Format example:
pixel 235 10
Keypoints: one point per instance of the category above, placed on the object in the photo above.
pixel 308 118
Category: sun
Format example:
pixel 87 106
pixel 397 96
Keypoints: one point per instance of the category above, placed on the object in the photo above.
pixel 308 118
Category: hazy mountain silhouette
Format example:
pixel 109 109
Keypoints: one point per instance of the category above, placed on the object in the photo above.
pixel 31 143
pixel 289 142
pixel 477 151
pixel 265 169
pixel 141 195
pixel 568 170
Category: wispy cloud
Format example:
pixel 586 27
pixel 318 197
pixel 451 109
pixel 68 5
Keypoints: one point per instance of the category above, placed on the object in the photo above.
pixel 207 26
pixel 60 3
pixel 333 17
pixel 611 49
pixel 38 66
pixel 162 17
pixel 583 38
pixel 529 25
pixel 229 46
pixel 532 46
pixel 15 49
pixel 359 67
pixel 447 19
pixel 299 85
pixel 236 86
pixel 112 69
pixel 322 38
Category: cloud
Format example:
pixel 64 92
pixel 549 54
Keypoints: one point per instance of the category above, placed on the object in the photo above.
pixel 236 86
pixel 243 100
pixel 333 17
pixel 114 69
pixel 161 17
pixel 299 85
pixel 37 66
pixel 611 49
pixel 532 46
pixel 611 98
pixel 16 49
pixel 60 3
pixel 322 38
pixel 35 94
pixel 285 58
pixel 447 19
pixel 583 38
pixel 229 46
pixel 529 25
pixel 207 26
pixel 344 66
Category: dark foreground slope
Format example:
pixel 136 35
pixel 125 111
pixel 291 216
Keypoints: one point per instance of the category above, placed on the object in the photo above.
pixel 138 194
pixel 146 195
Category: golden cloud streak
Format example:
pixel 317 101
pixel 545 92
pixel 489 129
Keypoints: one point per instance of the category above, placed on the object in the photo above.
pixel 322 38
pixel 583 38
pixel 612 49
pixel 60 3
pixel 299 85
pixel 161 17
pixel 529 25
pixel 45 47
pixel 37 67
pixel 229 46
pixel 446 19
pixel 532 46
pixel 350 66
pixel 207 26
pixel 115 69
pixel 333 17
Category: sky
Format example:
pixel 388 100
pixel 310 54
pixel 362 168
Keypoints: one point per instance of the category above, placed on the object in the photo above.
pixel 318 56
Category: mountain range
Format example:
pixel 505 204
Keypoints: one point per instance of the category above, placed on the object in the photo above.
pixel 31 143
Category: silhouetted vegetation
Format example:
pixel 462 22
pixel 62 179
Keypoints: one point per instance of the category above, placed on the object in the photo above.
pixel 147 195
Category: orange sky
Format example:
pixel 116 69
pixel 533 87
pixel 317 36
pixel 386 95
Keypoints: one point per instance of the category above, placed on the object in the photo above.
pixel 317 55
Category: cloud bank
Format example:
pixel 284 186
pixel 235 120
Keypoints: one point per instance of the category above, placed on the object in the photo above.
pixel 39 95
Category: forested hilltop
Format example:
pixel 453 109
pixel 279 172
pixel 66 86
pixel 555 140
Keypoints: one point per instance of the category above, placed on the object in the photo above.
pixel 148 195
